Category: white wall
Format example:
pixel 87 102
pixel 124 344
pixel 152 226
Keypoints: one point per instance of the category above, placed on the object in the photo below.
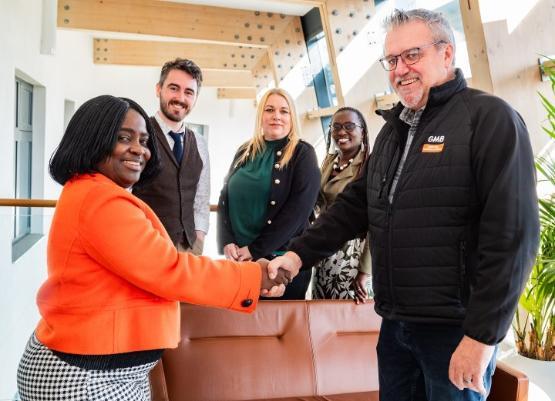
pixel 20 24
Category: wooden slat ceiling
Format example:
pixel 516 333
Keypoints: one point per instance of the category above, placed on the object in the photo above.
pixel 223 40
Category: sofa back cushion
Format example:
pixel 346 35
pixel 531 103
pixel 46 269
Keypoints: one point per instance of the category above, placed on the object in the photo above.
pixel 344 338
pixel 283 349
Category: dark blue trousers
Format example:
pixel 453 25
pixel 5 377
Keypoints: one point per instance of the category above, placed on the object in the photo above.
pixel 413 362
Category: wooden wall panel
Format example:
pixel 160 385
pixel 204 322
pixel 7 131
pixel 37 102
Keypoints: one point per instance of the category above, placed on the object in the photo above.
pixel 513 61
pixel 347 19
pixel 263 75
pixel 289 49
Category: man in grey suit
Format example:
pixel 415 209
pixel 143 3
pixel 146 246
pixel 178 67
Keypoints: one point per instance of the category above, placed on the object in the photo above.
pixel 180 194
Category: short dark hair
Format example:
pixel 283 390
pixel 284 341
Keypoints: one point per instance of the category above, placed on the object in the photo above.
pixel 184 65
pixel 91 136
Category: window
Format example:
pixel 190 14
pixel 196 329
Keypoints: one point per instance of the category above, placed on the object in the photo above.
pixel 23 226
pixel 23 155
pixel 199 129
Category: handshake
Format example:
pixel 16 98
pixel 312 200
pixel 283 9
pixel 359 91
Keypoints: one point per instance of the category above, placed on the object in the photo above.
pixel 277 273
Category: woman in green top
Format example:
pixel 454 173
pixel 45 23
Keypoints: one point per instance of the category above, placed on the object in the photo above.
pixel 345 274
pixel 270 190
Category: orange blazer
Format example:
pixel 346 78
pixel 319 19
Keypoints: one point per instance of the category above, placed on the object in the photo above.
pixel 114 276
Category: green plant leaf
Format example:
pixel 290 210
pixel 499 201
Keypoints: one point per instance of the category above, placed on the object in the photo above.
pixel 535 335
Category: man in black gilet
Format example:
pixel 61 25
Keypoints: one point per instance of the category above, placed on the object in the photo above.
pixel 180 194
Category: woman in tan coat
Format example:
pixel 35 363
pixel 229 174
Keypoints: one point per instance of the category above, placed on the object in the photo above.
pixel 345 274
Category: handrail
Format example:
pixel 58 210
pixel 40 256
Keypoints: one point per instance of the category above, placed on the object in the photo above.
pixel 48 203
pixel 28 202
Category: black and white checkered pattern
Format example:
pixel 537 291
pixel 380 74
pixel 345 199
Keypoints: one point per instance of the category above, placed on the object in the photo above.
pixel 42 376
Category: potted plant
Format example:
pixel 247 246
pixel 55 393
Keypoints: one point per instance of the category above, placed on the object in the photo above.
pixel 534 324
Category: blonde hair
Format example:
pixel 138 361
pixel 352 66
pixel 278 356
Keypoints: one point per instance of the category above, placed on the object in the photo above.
pixel 256 145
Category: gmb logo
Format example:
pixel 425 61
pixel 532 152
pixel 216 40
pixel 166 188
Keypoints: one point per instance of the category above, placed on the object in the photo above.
pixel 436 138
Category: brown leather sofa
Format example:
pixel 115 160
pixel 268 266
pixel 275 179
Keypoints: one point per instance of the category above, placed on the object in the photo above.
pixel 286 350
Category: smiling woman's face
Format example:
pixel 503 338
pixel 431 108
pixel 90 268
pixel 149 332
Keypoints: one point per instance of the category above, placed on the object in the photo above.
pixel 131 153
pixel 276 118
pixel 346 141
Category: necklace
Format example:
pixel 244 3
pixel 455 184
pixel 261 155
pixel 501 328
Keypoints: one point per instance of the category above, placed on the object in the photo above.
pixel 340 167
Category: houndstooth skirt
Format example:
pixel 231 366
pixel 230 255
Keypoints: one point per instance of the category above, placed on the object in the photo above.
pixel 42 376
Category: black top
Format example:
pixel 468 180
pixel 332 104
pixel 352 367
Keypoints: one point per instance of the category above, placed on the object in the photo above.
pixel 172 193
pixel 112 361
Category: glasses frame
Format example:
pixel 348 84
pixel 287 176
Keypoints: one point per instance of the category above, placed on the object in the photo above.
pixel 333 130
pixel 403 54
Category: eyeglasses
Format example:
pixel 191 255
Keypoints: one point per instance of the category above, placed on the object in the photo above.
pixel 410 56
pixel 348 126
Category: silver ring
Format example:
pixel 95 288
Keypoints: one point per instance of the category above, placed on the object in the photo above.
pixel 467 381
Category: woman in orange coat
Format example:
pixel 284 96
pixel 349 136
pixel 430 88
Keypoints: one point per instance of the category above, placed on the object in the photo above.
pixel 110 306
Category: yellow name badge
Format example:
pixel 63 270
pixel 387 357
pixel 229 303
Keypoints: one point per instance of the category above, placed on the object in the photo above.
pixel 432 148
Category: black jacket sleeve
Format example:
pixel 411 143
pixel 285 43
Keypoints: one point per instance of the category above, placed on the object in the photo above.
pixel 346 219
pixel 294 213
pixel 508 227
pixel 224 232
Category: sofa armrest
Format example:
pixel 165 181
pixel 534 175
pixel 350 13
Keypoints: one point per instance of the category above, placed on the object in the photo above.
pixel 508 384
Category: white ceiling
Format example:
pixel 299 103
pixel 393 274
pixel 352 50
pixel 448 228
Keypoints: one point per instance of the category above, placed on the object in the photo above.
pixel 275 6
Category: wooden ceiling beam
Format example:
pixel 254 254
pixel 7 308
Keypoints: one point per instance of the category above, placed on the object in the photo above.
pixel 313 3
pixel 477 47
pixel 236 93
pixel 332 52
pixel 227 78
pixel 152 17
pixel 156 53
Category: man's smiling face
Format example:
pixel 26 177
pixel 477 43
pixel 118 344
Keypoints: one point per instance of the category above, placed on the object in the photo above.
pixel 413 82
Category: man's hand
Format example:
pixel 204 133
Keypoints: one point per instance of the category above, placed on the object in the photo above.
pixel 244 254
pixel 469 363
pixel 290 261
pixel 231 251
pixel 272 287
pixel 360 286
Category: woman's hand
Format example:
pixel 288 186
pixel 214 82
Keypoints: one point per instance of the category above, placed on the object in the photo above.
pixel 360 286
pixel 231 251
pixel 272 287
pixel 244 254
